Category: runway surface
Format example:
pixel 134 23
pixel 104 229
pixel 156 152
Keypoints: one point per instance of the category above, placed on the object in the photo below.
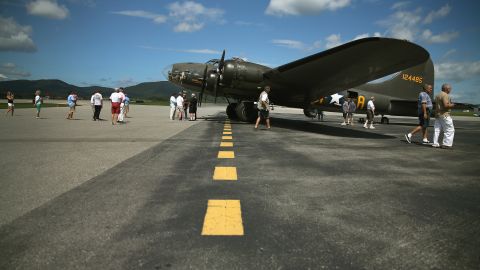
pixel 307 195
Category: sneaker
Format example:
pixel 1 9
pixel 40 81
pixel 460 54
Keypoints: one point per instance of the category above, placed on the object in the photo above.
pixel 436 145
pixel 343 124
pixel 372 127
pixel 425 141
pixel 365 126
pixel 408 137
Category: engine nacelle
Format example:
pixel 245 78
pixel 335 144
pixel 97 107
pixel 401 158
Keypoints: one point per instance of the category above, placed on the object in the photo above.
pixel 242 71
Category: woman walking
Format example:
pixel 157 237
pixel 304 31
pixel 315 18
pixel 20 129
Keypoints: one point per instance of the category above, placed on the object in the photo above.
pixel 38 102
pixel 11 106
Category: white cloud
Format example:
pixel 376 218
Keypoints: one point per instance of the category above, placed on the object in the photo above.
pixel 201 51
pixel 187 16
pixel 11 70
pixel 445 37
pixel 198 51
pixel 191 16
pixel 292 44
pixel 449 53
pixel 403 24
pixel 15 37
pixel 457 71
pixel 157 18
pixel 333 41
pixel 47 8
pixel 295 44
pixel 433 15
pixel 400 5
pixel 188 27
pixel 87 3
pixel 303 7
pixel 3 77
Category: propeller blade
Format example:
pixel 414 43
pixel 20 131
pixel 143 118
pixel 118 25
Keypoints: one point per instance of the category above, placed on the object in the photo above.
pixel 204 85
pixel 215 85
pixel 222 62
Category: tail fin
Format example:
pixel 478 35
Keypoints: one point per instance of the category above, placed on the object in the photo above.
pixel 404 85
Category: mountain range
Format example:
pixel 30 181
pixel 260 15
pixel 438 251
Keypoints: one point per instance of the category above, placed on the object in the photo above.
pixel 58 89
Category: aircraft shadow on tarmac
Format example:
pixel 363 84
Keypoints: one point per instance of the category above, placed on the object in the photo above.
pixel 356 132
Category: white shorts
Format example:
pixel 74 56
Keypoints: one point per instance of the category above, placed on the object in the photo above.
pixel 11 105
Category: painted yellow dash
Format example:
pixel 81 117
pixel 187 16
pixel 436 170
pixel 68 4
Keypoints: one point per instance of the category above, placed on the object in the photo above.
pixel 227 138
pixel 226 144
pixel 227 126
pixel 227 129
pixel 227 133
pixel 225 173
pixel 226 154
pixel 223 218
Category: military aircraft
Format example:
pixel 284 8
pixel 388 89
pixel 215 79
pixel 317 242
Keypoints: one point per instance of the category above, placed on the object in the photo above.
pixel 318 81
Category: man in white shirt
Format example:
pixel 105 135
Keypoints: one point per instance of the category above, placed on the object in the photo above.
pixel 180 106
pixel 263 107
pixel 116 99
pixel 173 106
pixel 97 102
pixel 370 113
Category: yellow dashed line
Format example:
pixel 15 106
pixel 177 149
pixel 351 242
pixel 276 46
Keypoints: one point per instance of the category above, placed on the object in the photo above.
pixel 226 154
pixel 227 129
pixel 225 173
pixel 227 133
pixel 226 144
pixel 227 138
pixel 223 218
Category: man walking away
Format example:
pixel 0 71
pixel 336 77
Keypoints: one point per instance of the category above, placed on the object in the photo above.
pixel 263 106
pixel 192 107
pixel 424 108
pixel 351 109
pixel 345 111
pixel 370 113
pixel 180 106
pixel 97 102
pixel 173 106
pixel 443 120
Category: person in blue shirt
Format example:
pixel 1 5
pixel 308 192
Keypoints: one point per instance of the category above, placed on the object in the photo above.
pixel 424 109
pixel 71 102
pixel 126 101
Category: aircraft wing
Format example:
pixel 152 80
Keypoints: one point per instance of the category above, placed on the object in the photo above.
pixel 349 65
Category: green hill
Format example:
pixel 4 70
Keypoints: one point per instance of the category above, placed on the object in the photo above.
pixel 59 89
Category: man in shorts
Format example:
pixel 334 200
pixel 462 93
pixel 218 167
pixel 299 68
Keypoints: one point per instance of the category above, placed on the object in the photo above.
pixel 71 102
pixel 424 108
pixel 116 99
pixel 263 107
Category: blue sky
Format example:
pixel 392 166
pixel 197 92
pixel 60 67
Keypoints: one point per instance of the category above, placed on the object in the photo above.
pixel 121 43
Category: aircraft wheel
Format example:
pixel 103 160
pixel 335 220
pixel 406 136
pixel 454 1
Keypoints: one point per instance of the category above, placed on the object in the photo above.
pixel 246 112
pixel 384 120
pixel 231 112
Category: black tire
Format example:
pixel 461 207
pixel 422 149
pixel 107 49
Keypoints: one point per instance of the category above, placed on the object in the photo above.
pixel 246 112
pixel 231 112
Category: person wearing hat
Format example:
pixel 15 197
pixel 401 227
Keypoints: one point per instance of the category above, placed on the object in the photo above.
pixel 192 107
pixel 370 113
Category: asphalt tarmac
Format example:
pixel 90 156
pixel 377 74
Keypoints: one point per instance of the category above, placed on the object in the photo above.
pixel 311 195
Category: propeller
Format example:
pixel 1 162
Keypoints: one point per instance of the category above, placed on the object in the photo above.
pixel 221 64
pixel 204 85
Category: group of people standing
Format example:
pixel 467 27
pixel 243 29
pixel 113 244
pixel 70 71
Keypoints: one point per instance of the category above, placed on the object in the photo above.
pixel 180 105
pixel 443 120
pixel 349 107
pixel 120 105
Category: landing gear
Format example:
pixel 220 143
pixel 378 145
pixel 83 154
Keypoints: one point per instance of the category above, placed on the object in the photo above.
pixel 244 111
pixel 231 113
pixel 384 120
